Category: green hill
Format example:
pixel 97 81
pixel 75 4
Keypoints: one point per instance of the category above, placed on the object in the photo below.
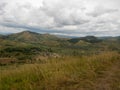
pixel 90 39
pixel 28 45
pixel 27 36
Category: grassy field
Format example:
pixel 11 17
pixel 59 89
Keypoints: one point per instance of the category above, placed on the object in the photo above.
pixel 95 72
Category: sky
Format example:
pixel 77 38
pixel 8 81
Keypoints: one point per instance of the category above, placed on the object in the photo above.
pixel 61 17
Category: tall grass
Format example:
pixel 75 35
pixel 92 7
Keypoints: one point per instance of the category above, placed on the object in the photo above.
pixel 65 73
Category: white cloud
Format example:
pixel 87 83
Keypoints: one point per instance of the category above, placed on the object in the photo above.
pixel 68 17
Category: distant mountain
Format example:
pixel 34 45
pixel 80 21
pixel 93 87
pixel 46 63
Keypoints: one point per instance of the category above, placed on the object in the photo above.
pixel 1 36
pixel 47 39
pixel 90 39
pixel 117 38
pixel 28 36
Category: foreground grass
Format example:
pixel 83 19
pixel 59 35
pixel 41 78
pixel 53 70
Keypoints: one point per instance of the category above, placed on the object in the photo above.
pixel 97 72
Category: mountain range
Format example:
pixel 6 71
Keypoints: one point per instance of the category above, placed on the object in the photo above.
pixel 33 37
pixel 28 45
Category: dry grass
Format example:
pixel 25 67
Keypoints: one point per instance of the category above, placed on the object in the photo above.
pixel 97 72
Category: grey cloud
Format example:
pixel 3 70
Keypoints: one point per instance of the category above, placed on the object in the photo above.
pixel 31 28
pixel 68 17
pixel 101 11
pixel 2 5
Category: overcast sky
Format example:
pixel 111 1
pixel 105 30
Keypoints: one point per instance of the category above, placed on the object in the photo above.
pixel 61 17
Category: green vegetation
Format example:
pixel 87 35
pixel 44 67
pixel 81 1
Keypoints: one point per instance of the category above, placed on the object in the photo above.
pixel 32 61
pixel 96 72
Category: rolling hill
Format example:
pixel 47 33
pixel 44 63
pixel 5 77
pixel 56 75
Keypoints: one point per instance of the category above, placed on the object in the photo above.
pixel 33 37
pixel 90 39
pixel 26 45
pixel 27 36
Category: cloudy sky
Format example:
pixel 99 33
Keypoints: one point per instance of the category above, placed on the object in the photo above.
pixel 61 17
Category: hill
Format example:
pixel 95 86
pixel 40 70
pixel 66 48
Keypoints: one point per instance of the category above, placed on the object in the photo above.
pixel 28 45
pixel 33 37
pixel 91 39
pixel 28 36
